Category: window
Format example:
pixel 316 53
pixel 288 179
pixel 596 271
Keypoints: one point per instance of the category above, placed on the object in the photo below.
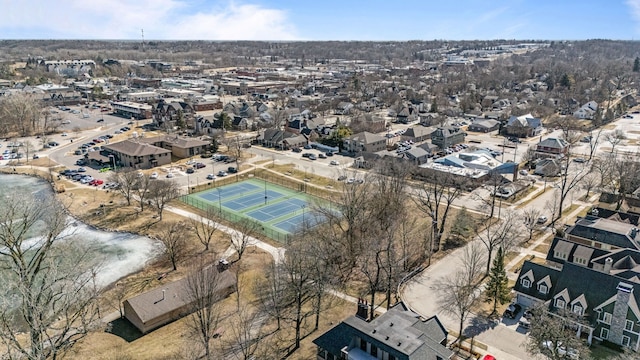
pixel 560 303
pixel 542 288
pixel 374 350
pixel 363 345
pixel 628 325
pixel 577 308
pixel 391 357
pixel 560 255
pixel 606 318
pixel 625 340
pixel 526 283
pixel 604 334
pixel 580 261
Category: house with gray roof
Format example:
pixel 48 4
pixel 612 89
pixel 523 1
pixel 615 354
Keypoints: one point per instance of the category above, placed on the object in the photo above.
pixel 447 136
pixel 594 271
pixel 484 125
pixel 416 155
pixel 554 148
pixel 172 301
pixel 417 134
pixel 398 334
pixel 364 142
pixel 136 154
pixel 523 126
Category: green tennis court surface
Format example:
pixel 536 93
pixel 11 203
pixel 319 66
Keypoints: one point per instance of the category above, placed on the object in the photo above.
pixel 280 211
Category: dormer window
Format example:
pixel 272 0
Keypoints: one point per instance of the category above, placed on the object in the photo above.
pixel 560 303
pixel 577 309
pixel 543 288
pixel 526 283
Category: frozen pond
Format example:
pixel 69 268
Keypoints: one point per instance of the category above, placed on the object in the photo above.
pixel 120 253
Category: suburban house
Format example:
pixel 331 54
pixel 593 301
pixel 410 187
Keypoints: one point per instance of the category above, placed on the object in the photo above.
pixel 136 154
pixel 429 147
pixel 162 305
pixel 180 147
pixel 594 272
pixel 548 167
pixel 447 136
pixel 523 126
pixel 417 155
pixel 586 111
pixel 364 142
pixel 171 112
pixel 484 125
pixel 417 134
pixel 551 148
pixel 398 334
pixel 276 138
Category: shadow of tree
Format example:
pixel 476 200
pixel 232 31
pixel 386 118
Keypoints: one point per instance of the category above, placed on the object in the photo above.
pixel 477 325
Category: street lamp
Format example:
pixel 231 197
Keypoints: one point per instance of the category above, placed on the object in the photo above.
pixel 265 192
pixel 303 206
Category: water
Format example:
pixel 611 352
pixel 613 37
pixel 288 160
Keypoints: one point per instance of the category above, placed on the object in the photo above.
pixel 120 253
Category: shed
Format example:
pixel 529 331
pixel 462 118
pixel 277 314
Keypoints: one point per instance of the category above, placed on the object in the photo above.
pixel 162 305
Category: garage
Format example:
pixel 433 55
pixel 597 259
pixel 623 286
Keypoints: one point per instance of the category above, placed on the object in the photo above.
pixel 526 301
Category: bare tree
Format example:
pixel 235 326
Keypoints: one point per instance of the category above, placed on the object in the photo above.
pixel 141 188
pixel 530 216
pixel 160 193
pixel 28 149
pixel 245 229
pixel 271 295
pixel 554 336
pixel 246 333
pixel 173 241
pixel 492 184
pixel 614 138
pixel 435 198
pixel 20 113
pixel 459 291
pixel 204 228
pixel 501 233
pixel 126 179
pixel 570 178
pixel 203 288
pixel 47 288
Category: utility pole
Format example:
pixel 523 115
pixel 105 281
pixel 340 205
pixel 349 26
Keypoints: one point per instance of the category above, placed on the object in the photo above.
pixel 142 32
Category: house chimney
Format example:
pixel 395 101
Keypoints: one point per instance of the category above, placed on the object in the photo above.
pixel 362 311
pixel 608 262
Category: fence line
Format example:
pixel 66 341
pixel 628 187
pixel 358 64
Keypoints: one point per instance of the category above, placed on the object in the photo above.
pixel 229 216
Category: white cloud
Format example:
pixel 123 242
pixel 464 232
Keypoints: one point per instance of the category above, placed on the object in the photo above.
pixel 160 19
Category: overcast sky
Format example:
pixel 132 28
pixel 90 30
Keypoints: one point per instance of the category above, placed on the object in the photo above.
pixel 320 19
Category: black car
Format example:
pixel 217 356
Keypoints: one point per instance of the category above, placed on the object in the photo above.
pixel 329 153
pixel 100 120
pixel 322 156
pixel 190 171
pixel 232 170
pixel 296 149
pixel 512 311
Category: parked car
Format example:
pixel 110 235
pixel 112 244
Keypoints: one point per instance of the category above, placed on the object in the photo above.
pixel 329 153
pixel 36 156
pixel 342 178
pixel 542 219
pixel 580 160
pixel 334 162
pixel 307 146
pixel 81 169
pixel 524 323
pixel 199 165
pixel 296 150
pixel 211 177
pixel 524 172
pixel 512 311
pixel 313 157
pixel 169 175
pixel 222 173
pixel 100 120
pixel 154 175
pixel 322 156
pixel 190 170
pixel 232 170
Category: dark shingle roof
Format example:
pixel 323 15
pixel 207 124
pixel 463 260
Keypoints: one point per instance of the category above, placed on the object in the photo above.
pixel 606 231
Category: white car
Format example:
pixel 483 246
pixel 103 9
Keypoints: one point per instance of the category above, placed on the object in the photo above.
pixel 64 134
pixel 211 177
pixel 169 175
pixel 351 180
pixel 334 162
pixel 542 219
pixel 154 175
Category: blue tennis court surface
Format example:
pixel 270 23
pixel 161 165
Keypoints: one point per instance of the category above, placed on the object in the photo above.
pixel 273 211
pixel 251 200
pixel 284 212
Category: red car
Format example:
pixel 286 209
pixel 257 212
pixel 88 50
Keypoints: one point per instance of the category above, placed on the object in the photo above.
pixel 97 141
pixel 96 182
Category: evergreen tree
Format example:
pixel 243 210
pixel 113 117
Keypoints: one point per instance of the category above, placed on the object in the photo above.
pixel 636 65
pixel 497 286
pixel 434 106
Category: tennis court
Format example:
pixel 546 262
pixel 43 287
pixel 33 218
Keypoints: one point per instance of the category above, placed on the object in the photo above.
pixel 279 211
